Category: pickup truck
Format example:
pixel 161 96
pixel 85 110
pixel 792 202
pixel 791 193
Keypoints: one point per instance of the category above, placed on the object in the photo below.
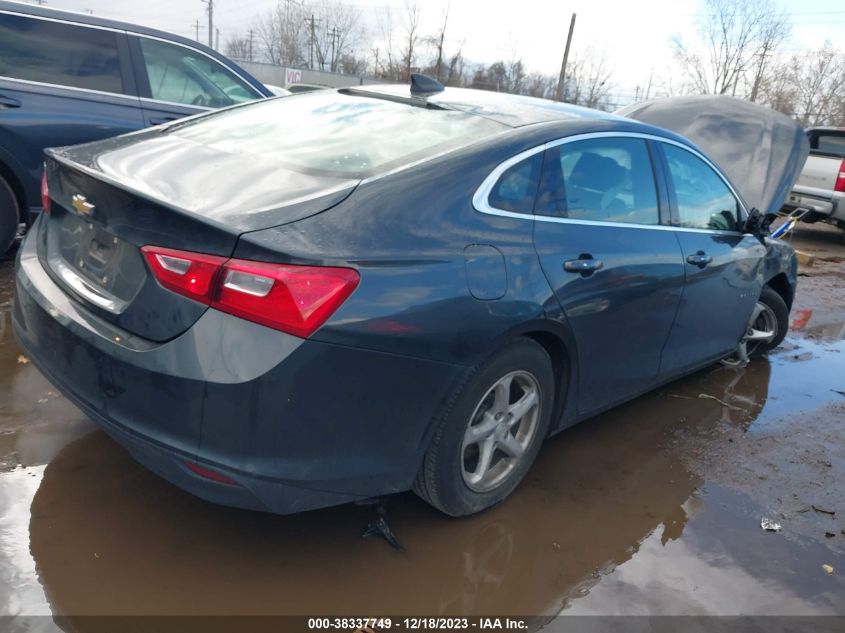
pixel 821 186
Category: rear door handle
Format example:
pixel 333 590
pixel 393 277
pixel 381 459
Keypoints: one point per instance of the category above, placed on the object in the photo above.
pixel 9 102
pixel 159 120
pixel 585 265
pixel 700 259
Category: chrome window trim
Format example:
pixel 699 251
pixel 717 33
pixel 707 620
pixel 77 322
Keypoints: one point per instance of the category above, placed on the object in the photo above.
pixel 121 95
pixel 481 203
pixel 63 21
pixel 181 105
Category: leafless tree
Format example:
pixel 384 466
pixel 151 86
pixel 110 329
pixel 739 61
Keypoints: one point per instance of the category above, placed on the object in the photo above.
pixel 437 41
pixel 412 35
pixel 735 39
pixel 338 34
pixel 589 79
pixel 309 33
pixel 283 35
pixel 385 64
pixel 540 85
pixel 239 47
pixel 809 86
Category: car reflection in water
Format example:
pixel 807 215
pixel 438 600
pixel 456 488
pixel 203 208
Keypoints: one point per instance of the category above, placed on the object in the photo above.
pixel 109 537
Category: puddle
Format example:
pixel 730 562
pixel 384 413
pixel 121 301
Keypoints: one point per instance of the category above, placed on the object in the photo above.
pixel 625 513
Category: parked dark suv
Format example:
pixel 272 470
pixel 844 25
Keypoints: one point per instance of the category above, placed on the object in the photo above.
pixel 68 78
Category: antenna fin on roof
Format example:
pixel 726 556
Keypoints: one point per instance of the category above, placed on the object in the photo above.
pixel 424 85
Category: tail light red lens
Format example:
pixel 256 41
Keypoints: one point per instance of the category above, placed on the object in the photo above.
pixel 840 180
pixel 293 299
pixel 189 274
pixel 45 192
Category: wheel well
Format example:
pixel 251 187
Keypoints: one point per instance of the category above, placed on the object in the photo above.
pixel 780 284
pixel 559 355
pixel 9 176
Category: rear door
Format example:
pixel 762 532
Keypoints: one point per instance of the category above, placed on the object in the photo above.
pixel 176 80
pixel 616 270
pixel 722 264
pixel 61 84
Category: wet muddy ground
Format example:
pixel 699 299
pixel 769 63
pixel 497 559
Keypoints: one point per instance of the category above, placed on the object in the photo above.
pixel 652 508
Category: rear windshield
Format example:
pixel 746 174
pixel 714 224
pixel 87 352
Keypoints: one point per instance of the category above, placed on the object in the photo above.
pixel 828 143
pixel 337 134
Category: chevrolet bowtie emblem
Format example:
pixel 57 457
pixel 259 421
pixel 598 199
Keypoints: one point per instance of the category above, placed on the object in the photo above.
pixel 81 204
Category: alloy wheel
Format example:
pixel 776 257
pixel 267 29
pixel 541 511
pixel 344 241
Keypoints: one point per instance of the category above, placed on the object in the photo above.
pixel 762 329
pixel 500 431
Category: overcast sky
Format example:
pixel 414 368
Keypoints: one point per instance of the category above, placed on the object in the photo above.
pixel 635 34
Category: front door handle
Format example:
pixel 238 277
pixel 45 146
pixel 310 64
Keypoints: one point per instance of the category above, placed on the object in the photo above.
pixel 585 264
pixel 9 102
pixel 700 259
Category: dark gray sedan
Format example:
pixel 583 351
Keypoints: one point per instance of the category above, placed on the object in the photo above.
pixel 343 294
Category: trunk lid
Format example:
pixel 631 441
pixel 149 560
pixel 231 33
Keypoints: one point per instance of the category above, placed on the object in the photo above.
pixel 107 201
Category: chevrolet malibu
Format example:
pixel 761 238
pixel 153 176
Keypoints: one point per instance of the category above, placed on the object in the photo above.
pixel 348 293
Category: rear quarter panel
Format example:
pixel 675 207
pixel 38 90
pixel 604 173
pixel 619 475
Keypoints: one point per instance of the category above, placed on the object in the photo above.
pixel 407 234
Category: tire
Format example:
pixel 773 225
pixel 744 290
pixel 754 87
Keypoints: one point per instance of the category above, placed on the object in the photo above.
pixel 452 477
pixel 777 311
pixel 9 216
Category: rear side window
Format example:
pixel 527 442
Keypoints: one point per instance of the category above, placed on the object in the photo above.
pixel 828 143
pixel 336 134
pixel 516 189
pixel 604 180
pixel 57 53
pixel 704 200
pixel 182 75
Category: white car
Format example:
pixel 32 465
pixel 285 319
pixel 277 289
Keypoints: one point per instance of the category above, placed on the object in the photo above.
pixel 821 186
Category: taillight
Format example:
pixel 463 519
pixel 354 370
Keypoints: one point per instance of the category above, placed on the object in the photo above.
pixel 45 192
pixel 189 274
pixel 840 180
pixel 293 299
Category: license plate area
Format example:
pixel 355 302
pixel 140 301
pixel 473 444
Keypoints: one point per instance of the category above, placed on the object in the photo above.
pixel 90 260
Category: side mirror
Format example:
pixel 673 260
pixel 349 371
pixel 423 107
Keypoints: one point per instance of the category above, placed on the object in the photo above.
pixel 757 224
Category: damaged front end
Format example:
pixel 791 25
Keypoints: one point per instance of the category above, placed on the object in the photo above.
pixel 762 152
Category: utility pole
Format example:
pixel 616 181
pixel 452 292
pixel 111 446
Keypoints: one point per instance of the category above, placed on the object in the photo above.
pixel 648 89
pixel 197 30
pixel 335 35
pixel 312 21
pixel 759 77
pixel 217 39
pixel 210 10
pixel 561 82
pixel 251 36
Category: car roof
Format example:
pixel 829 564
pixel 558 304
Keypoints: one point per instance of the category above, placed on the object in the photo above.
pixel 92 20
pixel 518 111
pixel 509 109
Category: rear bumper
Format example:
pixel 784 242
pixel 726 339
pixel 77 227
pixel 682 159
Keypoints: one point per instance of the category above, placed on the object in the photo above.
pixel 828 207
pixel 296 424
